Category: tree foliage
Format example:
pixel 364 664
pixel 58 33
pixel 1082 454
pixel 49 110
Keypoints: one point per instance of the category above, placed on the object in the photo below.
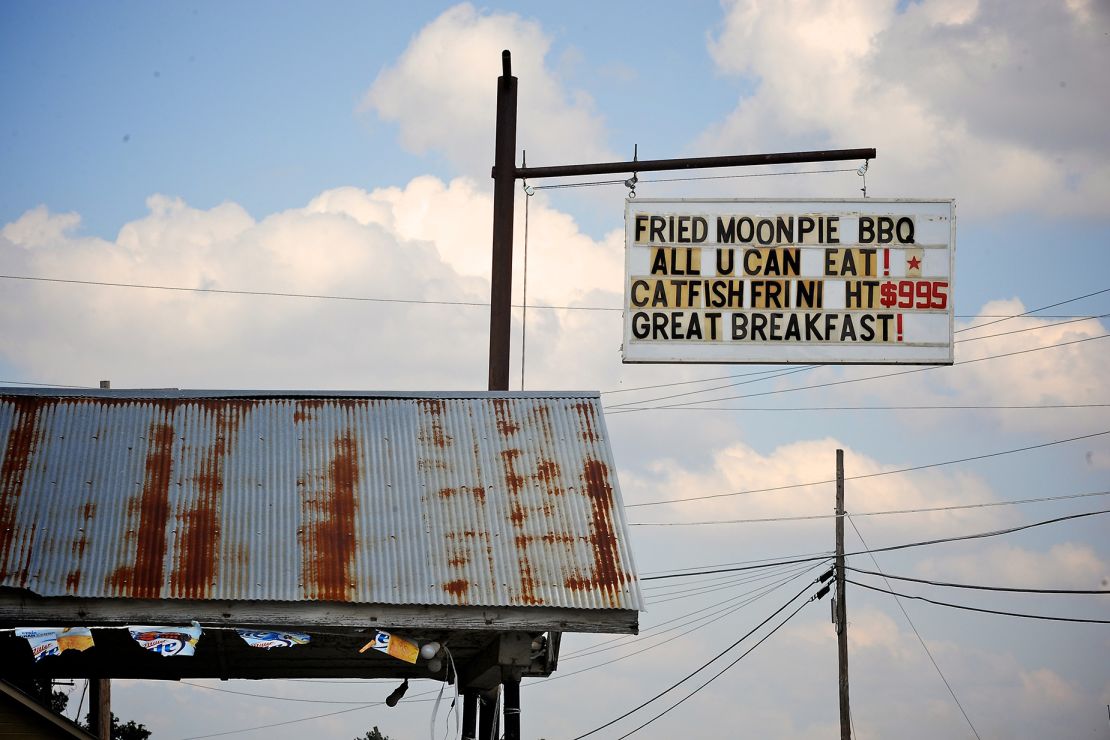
pixel 131 731
pixel 374 734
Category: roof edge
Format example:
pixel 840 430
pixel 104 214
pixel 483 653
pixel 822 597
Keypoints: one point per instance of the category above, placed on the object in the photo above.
pixel 177 393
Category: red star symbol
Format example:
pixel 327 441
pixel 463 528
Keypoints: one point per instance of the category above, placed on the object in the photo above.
pixel 914 263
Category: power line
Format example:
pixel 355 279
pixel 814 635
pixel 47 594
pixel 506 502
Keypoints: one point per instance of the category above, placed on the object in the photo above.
pixel 984 611
pixel 770 561
pixel 268 696
pixel 872 475
pixel 702 667
pixel 705 620
pixel 769 590
pixel 45 385
pixel 691 382
pixel 979 587
pixel 805 368
pixel 978 326
pixel 1028 328
pixel 921 510
pixel 287 722
pixel 1037 310
pixel 654 630
pixel 288 294
pixel 920 639
pixel 619 410
pixel 890 548
pixel 937 407
pixel 718 675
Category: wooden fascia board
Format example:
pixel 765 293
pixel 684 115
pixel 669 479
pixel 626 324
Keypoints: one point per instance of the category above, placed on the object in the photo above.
pixel 23 610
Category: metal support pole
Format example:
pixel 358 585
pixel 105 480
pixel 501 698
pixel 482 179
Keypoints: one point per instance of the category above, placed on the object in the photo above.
pixel 505 174
pixel 841 606
pixel 504 190
pixel 100 708
pixel 469 714
pixel 694 163
pixel 512 708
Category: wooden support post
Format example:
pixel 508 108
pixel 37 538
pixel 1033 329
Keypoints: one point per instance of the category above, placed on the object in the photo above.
pixel 841 606
pixel 504 187
pixel 100 708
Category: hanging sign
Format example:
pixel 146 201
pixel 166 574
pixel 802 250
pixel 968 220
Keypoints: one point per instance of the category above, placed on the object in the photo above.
pixel 48 641
pixel 167 641
pixel 784 281
pixel 269 639
pixel 394 645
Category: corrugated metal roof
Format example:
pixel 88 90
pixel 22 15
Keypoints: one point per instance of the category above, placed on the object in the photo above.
pixel 494 499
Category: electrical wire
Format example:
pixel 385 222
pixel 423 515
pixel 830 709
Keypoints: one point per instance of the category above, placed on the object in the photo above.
pixel 937 407
pixel 1028 328
pixel 912 468
pixel 286 722
pixel 979 587
pixel 288 294
pixel 848 381
pixel 870 475
pixel 721 672
pixel 805 368
pixel 1037 310
pixel 702 667
pixel 768 589
pixel 922 510
pixel 1080 620
pixel 891 548
pixel 920 639
pixel 268 696
pixel 711 617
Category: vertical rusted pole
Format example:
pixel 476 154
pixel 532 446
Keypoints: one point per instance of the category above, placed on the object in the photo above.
pixel 841 606
pixel 100 708
pixel 512 708
pixel 469 714
pixel 504 190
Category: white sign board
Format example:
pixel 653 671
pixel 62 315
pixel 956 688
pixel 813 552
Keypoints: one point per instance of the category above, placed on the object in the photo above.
pixel 781 281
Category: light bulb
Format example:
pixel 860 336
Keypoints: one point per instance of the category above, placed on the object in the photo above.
pixel 429 650
pixel 435 665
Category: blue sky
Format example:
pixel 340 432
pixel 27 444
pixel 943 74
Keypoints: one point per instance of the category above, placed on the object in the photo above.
pixel 344 149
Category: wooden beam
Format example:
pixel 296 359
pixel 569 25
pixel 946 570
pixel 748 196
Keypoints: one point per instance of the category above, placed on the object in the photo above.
pixel 24 610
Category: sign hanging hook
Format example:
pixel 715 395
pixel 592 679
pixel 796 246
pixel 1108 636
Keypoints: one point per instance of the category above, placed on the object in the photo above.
pixel 862 172
pixel 528 189
pixel 630 183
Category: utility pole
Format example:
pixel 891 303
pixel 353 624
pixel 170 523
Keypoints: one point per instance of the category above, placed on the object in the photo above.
pixel 100 707
pixel 506 173
pixel 841 606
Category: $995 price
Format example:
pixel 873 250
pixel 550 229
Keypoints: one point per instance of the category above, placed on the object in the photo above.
pixel 914 294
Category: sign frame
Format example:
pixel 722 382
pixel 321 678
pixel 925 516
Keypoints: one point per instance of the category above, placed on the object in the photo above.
pixel 931 211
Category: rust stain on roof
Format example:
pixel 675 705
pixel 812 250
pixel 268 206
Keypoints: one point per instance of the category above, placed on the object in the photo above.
pixel 547 472
pixel 143 580
pixel 506 426
pixel 607 575
pixel 587 422
pixel 457 588
pixel 199 543
pixel 329 542
pixel 20 447
pixel 431 426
